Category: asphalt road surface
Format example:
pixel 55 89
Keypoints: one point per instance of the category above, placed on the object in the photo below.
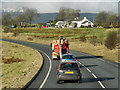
pixel 97 73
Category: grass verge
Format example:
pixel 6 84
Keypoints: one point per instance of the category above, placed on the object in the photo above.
pixel 19 64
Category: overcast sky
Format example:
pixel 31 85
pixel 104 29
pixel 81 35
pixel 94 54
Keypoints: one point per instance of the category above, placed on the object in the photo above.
pixel 60 0
pixel 52 6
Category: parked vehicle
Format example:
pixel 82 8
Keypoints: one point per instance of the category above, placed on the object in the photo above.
pixel 69 71
pixel 59 47
pixel 13 26
pixel 68 57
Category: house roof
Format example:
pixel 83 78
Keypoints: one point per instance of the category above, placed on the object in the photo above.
pixel 61 22
pixel 82 21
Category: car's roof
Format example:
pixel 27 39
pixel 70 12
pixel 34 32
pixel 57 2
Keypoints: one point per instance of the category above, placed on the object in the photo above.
pixel 69 62
pixel 67 54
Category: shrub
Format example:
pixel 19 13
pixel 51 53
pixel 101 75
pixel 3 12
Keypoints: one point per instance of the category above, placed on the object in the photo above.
pixel 6 29
pixel 100 41
pixel 93 40
pixel 15 33
pixel 30 38
pixel 8 60
pixel 111 40
pixel 83 38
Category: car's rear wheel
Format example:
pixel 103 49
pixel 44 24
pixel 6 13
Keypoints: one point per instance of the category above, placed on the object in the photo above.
pixel 79 81
pixel 59 82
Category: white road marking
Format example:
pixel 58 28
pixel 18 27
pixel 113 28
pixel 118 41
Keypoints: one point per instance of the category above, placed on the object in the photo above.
pixel 101 84
pixel 48 71
pixel 93 75
pixel 88 70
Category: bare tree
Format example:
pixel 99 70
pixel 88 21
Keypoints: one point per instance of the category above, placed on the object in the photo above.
pixel 67 14
pixel 61 15
pixel 6 18
pixel 101 18
pixel 111 19
pixel 106 18
pixel 27 16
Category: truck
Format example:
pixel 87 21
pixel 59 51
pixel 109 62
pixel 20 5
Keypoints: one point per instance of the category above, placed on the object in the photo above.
pixel 59 47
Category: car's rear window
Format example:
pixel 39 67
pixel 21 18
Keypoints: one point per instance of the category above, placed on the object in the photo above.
pixel 68 57
pixel 70 66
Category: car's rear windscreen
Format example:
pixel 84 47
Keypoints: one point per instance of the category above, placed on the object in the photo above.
pixel 70 66
pixel 68 57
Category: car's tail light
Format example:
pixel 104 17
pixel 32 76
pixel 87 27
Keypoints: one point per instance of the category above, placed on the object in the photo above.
pixel 78 76
pixel 58 76
pixel 74 59
pixel 61 59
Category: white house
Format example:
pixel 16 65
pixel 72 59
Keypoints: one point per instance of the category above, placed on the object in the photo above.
pixel 62 24
pixel 84 22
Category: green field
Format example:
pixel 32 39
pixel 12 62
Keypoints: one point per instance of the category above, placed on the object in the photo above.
pixel 67 33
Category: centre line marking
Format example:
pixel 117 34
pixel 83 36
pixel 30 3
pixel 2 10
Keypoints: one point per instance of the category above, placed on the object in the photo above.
pixel 88 70
pixel 93 75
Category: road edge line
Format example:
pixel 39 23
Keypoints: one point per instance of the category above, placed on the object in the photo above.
pixel 48 71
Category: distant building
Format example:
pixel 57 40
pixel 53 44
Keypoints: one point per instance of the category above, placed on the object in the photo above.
pixel 84 22
pixel 65 24
pixel 62 24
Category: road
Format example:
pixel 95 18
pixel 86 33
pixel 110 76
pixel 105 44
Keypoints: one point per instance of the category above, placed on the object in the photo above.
pixel 96 71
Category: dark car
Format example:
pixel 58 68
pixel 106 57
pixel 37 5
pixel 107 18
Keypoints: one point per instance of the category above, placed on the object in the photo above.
pixel 69 71
pixel 68 57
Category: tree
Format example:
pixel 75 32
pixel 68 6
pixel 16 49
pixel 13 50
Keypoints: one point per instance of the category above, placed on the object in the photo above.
pixel 70 14
pixel 61 14
pixel 101 18
pixel 67 14
pixel 77 13
pixel 21 19
pixel 111 19
pixel 6 19
pixel 106 18
pixel 27 16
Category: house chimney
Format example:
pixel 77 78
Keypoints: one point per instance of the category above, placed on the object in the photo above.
pixel 85 18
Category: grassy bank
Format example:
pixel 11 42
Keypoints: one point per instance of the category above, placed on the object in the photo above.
pixel 67 33
pixel 19 64
pixel 90 46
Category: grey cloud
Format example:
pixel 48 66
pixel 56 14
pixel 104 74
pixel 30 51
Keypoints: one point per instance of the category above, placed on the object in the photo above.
pixel 45 7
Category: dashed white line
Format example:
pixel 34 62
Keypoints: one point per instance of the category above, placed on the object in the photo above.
pixel 48 71
pixel 101 84
pixel 88 70
pixel 93 75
